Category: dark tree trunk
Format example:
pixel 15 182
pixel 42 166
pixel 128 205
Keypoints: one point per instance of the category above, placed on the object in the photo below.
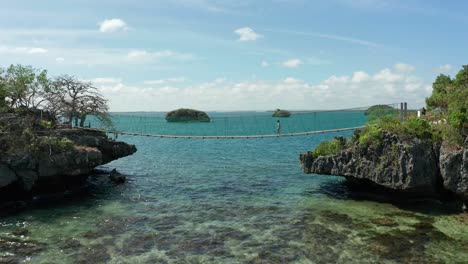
pixel 82 120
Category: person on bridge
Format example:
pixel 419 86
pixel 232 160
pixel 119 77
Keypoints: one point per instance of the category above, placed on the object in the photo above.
pixel 278 128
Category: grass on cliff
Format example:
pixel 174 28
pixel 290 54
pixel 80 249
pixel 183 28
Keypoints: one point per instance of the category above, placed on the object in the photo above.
pixel 373 134
pixel 36 145
pixel 330 147
pixel 412 127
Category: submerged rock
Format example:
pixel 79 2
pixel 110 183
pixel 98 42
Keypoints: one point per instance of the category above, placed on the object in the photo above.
pixel 15 250
pixel 116 176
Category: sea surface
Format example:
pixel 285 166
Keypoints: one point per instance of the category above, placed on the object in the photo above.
pixel 229 201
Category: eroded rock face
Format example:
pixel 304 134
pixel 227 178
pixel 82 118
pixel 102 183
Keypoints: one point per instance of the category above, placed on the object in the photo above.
pixel 91 149
pixel 402 165
pixel 454 170
pixel 7 176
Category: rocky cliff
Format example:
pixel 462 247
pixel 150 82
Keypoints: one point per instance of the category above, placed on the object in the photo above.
pixel 454 170
pixel 410 166
pixel 32 161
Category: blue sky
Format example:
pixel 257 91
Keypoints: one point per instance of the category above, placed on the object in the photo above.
pixel 241 55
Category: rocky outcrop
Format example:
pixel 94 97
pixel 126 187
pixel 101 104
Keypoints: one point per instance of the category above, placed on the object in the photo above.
pixel 187 115
pixel 454 170
pixel 281 113
pixel 116 177
pixel 32 171
pixel 409 166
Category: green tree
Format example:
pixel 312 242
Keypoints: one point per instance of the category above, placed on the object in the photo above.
pixel 458 99
pixel 23 86
pixel 3 93
pixel 451 96
pixel 461 79
pixel 441 87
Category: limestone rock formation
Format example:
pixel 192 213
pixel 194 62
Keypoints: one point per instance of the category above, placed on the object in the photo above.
pixel 409 166
pixel 454 170
pixel 32 171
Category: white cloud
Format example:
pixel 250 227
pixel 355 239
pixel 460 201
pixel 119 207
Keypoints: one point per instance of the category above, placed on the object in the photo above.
pixel 105 80
pixel 404 68
pixel 155 82
pixel 334 37
pixel 143 55
pixel 112 25
pixel 387 75
pixel 137 54
pixel 94 57
pixel 293 63
pixel 169 80
pixel 336 92
pixel 359 77
pixel 177 79
pixel 291 80
pixel 22 50
pixel 265 64
pixel 447 68
pixel 37 50
pixel 247 34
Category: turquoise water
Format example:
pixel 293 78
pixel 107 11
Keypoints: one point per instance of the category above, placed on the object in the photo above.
pixel 235 123
pixel 228 201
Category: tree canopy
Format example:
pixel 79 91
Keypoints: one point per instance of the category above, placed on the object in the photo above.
pixel 76 100
pixel 451 97
pixel 30 88
pixel 23 86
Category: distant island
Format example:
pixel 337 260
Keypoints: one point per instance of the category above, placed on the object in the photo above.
pixel 187 115
pixel 378 111
pixel 281 113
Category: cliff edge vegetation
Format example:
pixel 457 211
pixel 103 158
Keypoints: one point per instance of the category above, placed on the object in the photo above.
pixel 419 156
pixel 39 149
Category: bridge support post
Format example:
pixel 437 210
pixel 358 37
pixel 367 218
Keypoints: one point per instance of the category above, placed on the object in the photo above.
pixel 401 111
pixel 405 114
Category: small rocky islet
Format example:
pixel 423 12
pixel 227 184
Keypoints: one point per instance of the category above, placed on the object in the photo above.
pixel 281 113
pixel 187 115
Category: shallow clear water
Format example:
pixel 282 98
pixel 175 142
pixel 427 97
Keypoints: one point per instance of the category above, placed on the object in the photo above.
pixel 228 201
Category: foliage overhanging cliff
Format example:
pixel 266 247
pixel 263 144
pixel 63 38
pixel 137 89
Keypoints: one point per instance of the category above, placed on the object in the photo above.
pixel 37 152
pixel 423 156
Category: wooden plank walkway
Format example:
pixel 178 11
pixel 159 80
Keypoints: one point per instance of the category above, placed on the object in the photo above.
pixel 226 137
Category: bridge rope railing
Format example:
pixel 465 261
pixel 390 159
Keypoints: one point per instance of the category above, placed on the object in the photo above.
pixel 116 133
pixel 240 124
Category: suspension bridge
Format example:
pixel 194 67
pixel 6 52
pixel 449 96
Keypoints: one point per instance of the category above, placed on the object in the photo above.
pixel 235 125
